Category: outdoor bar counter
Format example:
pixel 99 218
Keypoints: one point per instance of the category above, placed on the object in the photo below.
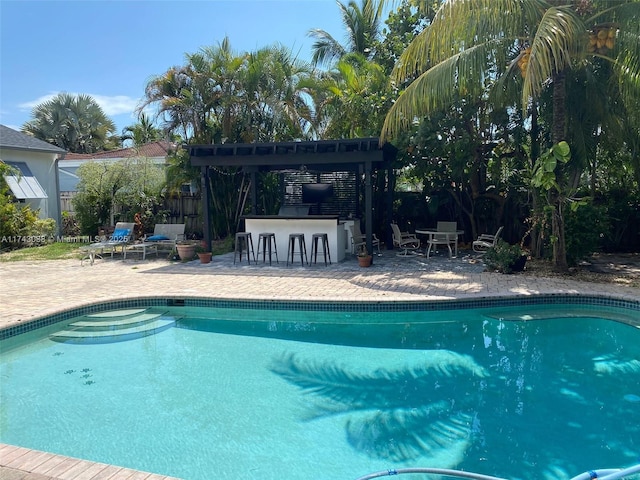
pixel 283 225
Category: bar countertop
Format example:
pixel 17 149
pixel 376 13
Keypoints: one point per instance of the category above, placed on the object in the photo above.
pixel 291 217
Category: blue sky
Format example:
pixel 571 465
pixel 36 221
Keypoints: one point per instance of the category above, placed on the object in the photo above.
pixel 110 49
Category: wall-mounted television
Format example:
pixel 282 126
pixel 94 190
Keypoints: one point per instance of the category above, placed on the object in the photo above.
pixel 316 192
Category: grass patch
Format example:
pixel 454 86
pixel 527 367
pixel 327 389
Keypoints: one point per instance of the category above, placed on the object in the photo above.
pixel 66 250
pixel 51 251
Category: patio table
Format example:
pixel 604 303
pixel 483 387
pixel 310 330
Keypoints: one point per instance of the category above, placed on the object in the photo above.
pixel 432 232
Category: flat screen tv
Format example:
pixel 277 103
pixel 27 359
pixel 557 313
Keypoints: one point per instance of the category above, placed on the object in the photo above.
pixel 316 192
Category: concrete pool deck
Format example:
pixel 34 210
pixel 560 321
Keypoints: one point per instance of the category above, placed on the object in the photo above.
pixel 34 289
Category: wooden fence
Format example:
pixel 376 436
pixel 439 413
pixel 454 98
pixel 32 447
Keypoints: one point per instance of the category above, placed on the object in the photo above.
pixel 187 209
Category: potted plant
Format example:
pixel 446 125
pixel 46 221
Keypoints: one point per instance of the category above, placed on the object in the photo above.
pixel 204 254
pixel 505 258
pixel 173 254
pixel 186 250
pixel 364 258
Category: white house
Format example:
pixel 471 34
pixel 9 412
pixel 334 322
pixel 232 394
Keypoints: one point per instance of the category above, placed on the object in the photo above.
pixel 37 161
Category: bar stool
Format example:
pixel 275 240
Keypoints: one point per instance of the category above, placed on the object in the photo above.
pixel 315 238
pixel 301 245
pixel 244 241
pixel 267 240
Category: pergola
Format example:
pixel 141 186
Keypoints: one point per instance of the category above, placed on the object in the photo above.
pixel 359 155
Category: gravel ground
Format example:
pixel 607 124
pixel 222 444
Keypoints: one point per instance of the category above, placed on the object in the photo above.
pixel 622 269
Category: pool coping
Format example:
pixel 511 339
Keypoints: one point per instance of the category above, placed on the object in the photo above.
pixel 324 305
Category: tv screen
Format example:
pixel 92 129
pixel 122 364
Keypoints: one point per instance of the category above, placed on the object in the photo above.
pixel 316 192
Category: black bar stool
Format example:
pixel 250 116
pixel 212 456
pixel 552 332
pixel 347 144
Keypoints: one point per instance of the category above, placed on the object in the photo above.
pixel 266 240
pixel 315 238
pixel 244 242
pixel 301 245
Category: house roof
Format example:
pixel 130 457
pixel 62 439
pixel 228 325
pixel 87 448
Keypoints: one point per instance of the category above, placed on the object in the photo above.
pixel 149 150
pixel 10 138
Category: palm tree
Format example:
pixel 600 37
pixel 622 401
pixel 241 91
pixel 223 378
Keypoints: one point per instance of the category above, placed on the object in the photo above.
pixel 362 23
pixel 274 96
pixel 142 132
pixel 357 97
pixel 73 122
pixel 470 45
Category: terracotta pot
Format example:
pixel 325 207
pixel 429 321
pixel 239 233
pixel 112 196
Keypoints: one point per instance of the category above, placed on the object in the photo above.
pixel 365 261
pixel 205 257
pixel 186 251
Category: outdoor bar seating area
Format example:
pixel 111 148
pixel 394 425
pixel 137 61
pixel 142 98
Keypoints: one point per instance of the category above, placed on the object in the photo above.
pixel 309 227
pixel 326 190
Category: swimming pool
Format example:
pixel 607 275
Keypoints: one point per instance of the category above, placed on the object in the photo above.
pixel 270 390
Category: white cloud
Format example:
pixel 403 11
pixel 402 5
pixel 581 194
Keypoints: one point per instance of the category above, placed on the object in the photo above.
pixel 115 105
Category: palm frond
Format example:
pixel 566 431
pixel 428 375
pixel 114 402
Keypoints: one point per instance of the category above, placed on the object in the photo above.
pixel 406 435
pixel 558 40
pixel 460 75
pixel 415 386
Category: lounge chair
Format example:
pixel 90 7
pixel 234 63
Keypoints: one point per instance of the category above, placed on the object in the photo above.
pixel 406 241
pixel 358 240
pixel 486 241
pixel 121 237
pixel 446 235
pixel 166 235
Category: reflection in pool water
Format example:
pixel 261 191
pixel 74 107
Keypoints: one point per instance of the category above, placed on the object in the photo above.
pixel 247 393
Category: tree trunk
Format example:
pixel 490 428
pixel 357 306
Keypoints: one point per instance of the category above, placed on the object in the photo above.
pixel 557 199
pixel 535 228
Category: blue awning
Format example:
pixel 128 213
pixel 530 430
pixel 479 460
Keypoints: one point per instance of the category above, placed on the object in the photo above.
pixel 24 185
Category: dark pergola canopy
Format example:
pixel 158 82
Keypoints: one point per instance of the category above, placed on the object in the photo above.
pixel 359 155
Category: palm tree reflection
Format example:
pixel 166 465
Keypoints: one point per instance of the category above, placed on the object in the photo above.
pixel 397 415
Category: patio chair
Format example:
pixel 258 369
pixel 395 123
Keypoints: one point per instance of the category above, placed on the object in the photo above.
pixel 406 241
pixel 122 236
pixel 166 235
pixel 446 235
pixel 486 241
pixel 358 240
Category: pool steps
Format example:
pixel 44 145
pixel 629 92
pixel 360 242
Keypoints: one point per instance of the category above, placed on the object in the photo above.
pixel 114 326
pixel 98 324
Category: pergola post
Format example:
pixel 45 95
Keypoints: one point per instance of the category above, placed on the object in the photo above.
pixel 205 188
pixel 368 206
pixel 254 192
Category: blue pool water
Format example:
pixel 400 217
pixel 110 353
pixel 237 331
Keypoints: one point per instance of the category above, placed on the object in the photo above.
pixel 536 392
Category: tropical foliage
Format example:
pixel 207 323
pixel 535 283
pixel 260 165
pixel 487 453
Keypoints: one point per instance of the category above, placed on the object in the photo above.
pixel 109 192
pixel 362 26
pixel 525 54
pixel 19 225
pixel 73 122
pixel 142 132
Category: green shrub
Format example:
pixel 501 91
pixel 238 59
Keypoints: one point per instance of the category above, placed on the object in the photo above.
pixel 503 257
pixel 585 228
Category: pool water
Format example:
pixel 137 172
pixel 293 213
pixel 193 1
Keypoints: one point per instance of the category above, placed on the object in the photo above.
pixel 256 394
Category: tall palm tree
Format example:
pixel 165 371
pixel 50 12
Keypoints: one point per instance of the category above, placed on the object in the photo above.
pixel 362 23
pixel 73 122
pixel 274 97
pixel 471 44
